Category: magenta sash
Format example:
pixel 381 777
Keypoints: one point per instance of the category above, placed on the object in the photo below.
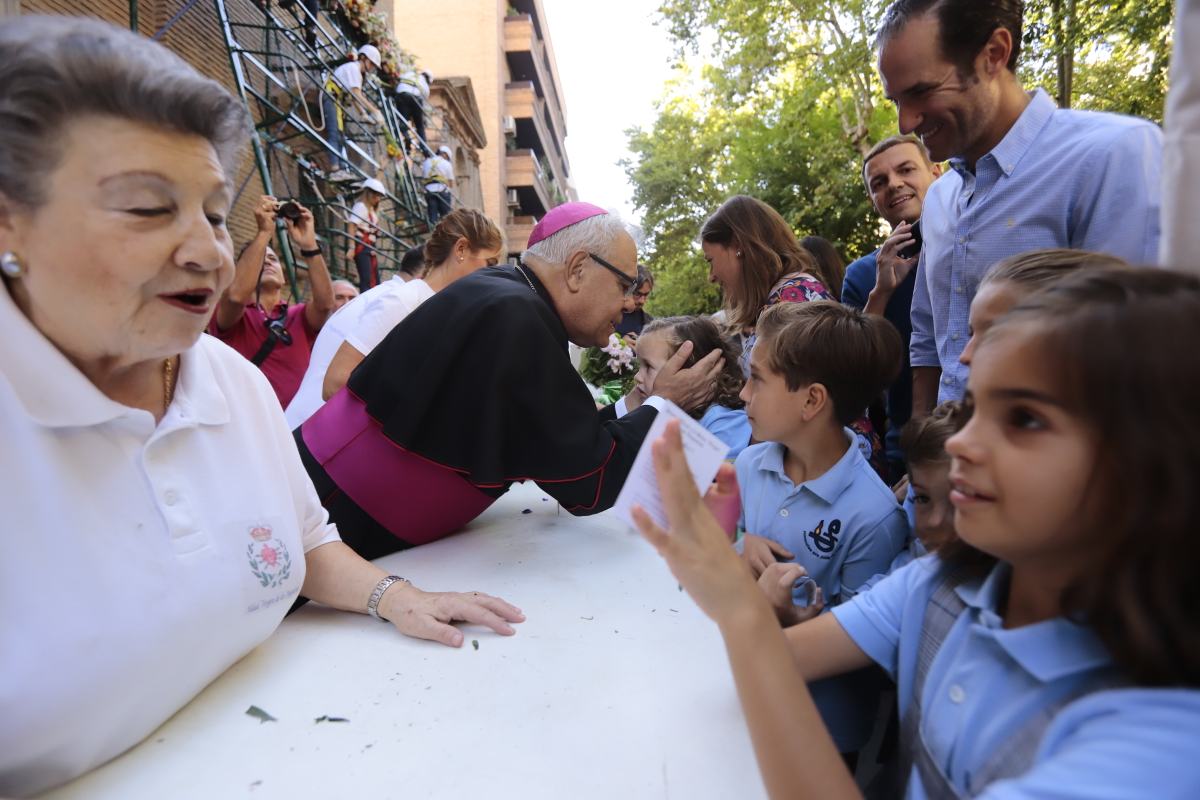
pixel 417 500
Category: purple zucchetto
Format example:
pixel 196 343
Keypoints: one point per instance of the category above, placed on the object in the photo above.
pixel 560 217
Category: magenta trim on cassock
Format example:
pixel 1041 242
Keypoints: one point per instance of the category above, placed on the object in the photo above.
pixel 417 500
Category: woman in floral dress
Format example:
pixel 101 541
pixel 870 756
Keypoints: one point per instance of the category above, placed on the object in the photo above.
pixel 754 256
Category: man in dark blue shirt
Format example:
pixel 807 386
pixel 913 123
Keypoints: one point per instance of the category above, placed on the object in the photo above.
pixel 633 321
pixel 897 173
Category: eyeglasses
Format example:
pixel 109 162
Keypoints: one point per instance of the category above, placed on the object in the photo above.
pixel 629 286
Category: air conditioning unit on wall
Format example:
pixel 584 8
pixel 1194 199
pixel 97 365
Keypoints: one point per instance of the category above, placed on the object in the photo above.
pixel 510 126
pixel 514 199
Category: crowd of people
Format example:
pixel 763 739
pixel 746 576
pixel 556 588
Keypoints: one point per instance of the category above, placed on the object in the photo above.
pixel 962 466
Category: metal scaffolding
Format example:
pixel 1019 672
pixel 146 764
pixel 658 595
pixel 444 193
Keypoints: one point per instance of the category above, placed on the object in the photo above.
pixel 281 62
pixel 282 55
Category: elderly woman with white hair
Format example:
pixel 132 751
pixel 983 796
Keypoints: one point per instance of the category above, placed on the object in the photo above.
pixel 158 521
pixel 422 439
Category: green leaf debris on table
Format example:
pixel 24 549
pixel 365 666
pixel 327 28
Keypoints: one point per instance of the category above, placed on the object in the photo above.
pixel 259 714
pixel 326 718
pixel 475 643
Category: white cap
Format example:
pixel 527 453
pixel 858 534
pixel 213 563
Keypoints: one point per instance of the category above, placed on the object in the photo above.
pixel 446 149
pixel 374 185
pixel 372 54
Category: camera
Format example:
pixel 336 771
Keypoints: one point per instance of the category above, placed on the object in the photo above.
pixel 913 247
pixel 277 329
pixel 290 209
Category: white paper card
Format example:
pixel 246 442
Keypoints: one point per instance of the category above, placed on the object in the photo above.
pixel 704 453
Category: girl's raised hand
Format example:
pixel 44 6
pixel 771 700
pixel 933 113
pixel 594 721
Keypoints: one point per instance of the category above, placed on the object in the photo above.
pixel 695 547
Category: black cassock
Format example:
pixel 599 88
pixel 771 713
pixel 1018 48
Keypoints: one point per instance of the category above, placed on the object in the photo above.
pixel 472 391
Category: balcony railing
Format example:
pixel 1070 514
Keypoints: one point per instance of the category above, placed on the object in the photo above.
pixel 527 60
pixel 522 103
pixel 525 173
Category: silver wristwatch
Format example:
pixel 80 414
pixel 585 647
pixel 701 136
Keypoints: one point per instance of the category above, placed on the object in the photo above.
pixel 377 595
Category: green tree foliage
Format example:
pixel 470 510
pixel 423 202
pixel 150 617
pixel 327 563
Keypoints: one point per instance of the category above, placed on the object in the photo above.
pixel 1105 55
pixel 780 100
pixel 783 109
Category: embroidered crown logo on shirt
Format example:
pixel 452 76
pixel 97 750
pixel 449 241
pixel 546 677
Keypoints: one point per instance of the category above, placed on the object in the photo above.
pixel 269 558
pixel 822 541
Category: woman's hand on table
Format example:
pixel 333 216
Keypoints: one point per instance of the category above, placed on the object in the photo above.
pixel 427 615
pixel 696 548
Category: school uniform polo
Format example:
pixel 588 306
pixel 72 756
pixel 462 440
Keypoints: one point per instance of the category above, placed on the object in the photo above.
pixel 730 425
pixel 138 561
pixel 843 527
pixel 911 552
pixel 986 682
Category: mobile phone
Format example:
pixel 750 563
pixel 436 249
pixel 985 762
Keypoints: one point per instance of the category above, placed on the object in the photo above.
pixel 914 247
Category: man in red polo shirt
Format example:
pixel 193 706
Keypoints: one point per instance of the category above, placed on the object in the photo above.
pixel 252 317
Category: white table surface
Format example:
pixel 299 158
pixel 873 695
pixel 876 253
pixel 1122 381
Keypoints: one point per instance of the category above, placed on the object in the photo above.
pixel 616 686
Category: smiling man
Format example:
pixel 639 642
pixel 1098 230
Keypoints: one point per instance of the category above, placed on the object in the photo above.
pixel 897 173
pixel 1025 174
pixel 474 391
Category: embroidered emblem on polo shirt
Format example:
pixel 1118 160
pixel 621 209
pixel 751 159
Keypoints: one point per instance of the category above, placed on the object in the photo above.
pixel 822 540
pixel 269 558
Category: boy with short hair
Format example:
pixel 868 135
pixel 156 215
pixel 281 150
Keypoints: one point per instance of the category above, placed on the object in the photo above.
pixel 808 494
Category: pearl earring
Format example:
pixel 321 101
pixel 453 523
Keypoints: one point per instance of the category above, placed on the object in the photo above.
pixel 10 265
pixel 739 253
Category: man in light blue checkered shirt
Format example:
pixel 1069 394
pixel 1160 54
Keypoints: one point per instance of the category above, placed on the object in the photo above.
pixel 1025 175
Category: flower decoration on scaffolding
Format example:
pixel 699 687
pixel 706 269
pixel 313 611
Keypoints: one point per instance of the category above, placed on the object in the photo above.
pixel 364 24
pixel 611 369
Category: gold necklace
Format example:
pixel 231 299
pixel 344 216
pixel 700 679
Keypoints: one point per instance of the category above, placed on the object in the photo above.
pixel 168 382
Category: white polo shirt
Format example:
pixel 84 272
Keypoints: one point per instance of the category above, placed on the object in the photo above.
pixel 137 563
pixel 363 322
pixel 349 76
pixel 437 166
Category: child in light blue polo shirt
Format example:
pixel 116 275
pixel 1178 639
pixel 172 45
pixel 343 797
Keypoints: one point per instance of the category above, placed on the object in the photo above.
pixel 808 495
pixel 930 514
pixel 1049 650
